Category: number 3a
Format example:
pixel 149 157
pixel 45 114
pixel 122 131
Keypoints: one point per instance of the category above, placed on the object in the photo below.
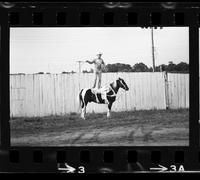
pixel 81 169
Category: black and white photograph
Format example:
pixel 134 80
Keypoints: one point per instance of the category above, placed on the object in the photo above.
pixel 99 86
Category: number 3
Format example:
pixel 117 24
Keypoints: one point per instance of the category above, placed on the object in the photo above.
pixel 81 169
pixel 173 167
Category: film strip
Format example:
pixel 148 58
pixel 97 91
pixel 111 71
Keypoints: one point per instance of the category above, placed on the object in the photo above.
pixel 16 156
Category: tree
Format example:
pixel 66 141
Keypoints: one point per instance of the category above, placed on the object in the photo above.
pixel 111 68
pixel 86 71
pixel 124 67
pixel 150 69
pixel 163 67
pixel 118 67
pixel 171 66
pixel 140 67
pixel 182 66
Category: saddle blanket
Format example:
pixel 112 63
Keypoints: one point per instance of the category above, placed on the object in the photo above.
pixel 102 91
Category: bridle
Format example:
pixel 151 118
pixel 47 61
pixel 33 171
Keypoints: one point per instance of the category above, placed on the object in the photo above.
pixel 122 84
pixel 114 93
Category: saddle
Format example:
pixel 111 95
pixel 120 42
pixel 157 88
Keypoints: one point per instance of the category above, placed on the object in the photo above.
pixel 103 91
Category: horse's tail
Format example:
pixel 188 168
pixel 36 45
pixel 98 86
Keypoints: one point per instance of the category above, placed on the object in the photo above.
pixel 79 100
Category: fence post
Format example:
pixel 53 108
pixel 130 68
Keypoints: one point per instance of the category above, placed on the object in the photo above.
pixel 166 89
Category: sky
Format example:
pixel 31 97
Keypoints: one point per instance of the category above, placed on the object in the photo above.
pixel 58 49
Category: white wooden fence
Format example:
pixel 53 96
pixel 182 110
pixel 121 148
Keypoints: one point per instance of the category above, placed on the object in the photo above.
pixel 56 94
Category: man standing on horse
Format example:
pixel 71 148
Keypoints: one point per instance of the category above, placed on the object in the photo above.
pixel 99 66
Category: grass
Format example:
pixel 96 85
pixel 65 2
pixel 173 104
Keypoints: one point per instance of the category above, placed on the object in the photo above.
pixel 121 127
pixel 166 117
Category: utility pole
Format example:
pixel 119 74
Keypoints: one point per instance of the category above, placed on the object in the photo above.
pixel 153 56
pixel 79 69
pixel 79 65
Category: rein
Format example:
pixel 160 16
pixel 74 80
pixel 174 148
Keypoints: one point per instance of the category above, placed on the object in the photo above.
pixel 114 93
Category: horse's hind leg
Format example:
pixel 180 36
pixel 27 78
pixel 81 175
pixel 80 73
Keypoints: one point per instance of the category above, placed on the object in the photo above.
pixel 83 111
pixel 109 109
pixel 84 103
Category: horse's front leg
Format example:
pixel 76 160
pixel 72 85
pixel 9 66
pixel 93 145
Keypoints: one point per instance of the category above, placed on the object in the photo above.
pixel 109 109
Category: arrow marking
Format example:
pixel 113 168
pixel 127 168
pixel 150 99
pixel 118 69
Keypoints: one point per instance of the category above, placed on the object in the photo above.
pixel 67 168
pixel 160 168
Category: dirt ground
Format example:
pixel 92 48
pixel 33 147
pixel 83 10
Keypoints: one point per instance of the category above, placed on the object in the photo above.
pixel 135 128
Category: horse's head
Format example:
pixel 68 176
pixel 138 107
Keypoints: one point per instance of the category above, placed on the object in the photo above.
pixel 121 83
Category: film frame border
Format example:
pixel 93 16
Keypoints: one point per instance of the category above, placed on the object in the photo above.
pixel 14 161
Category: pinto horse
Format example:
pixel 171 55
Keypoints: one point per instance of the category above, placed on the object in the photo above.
pixel 91 95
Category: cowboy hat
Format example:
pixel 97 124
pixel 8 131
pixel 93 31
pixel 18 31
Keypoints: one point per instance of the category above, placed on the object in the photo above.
pixel 100 53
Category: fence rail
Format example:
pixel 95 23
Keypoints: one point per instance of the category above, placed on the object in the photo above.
pixel 56 94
